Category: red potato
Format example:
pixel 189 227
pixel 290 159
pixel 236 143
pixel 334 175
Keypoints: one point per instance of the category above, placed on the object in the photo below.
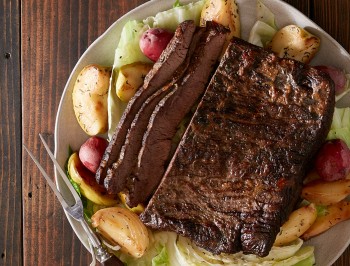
pixel 333 160
pixel 154 41
pixel 91 152
pixel 337 75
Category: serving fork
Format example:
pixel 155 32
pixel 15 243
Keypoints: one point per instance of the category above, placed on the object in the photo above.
pixel 76 210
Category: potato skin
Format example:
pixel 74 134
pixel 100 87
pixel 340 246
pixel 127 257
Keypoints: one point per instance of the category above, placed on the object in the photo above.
pixel 91 152
pixel 298 222
pixel 130 78
pixel 87 183
pixel 154 41
pixel 120 226
pixel 224 12
pixel 90 99
pixel 326 192
pixel 334 214
pixel 295 43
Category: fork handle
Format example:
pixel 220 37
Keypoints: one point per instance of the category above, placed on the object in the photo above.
pixel 101 253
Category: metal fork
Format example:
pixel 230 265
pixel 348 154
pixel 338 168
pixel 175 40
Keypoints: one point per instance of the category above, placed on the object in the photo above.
pixel 75 210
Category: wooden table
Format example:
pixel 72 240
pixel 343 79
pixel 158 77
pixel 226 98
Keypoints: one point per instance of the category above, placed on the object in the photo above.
pixel 41 42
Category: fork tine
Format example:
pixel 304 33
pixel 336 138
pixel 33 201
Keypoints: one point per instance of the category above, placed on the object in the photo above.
pixel 75 210
pixel 60 171
pixel 48 179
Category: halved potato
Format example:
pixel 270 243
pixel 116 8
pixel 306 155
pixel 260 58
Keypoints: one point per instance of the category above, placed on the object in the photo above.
pixel 130 78
pixel 224 12
pixel 298 222
pixel 138 209
pixel 295 43
pixel 90 99
pixel 87 183
pixel 326 192
pixel 333 214
pixel 122 227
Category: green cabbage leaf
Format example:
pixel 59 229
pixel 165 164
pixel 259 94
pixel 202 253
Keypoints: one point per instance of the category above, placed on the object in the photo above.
pixel 340 127
pixel 264 28
pixel 169 249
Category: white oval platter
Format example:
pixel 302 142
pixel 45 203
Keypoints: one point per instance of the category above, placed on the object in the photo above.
pixel 328 246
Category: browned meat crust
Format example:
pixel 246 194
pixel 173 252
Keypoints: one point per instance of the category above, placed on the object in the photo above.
pixel 161 73
pixel 119 173
pixel 157 140
pixel 237 172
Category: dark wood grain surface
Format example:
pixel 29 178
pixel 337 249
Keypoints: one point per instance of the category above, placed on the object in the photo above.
pixel 10 135
pixel 41 42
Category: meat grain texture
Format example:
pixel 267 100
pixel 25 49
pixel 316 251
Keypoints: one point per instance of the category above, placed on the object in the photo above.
pixel 237 172
pixel 143 158
pixel 171 110
pixel 119 174
pixel 161 73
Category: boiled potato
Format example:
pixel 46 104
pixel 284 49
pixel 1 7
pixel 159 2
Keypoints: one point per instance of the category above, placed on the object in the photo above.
pixel 326 192
pixel 121 227
pixel 90 99
pixel 91 152
pixel 295 43
pixel 87 183
pixel 298 222
pixel 224 12
pixel 130 78
pixel 154 41
pixel 138 209
pixel 333 214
